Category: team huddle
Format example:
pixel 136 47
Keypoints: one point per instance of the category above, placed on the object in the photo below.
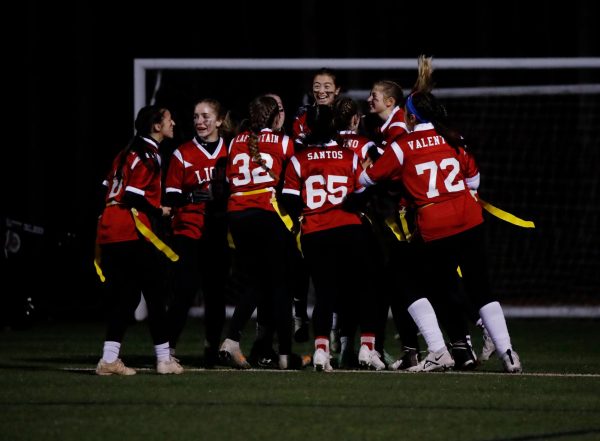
pixel 376 218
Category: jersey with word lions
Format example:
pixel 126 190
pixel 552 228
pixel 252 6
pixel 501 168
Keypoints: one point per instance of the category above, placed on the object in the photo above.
pixel 323 176
pixel 251 184
pixel 433 174
pixel 139 176
pixel 191 168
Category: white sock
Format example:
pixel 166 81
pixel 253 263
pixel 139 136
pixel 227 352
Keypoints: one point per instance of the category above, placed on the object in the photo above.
pixel 495 323
pixel 162 352
pixel 111 350
pixel 424 316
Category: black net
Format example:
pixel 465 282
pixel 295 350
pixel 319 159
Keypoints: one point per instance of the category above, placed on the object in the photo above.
pixel 538 157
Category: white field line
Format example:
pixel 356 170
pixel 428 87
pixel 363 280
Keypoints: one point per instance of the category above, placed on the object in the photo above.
pixel 345 371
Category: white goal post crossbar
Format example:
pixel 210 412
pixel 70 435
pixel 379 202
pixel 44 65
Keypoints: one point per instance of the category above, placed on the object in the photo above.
pixel 141 65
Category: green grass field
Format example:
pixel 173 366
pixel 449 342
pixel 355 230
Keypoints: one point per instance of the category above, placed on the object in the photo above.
pixel 49 392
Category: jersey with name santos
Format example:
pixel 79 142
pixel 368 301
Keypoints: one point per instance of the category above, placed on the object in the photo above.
pixel 323 176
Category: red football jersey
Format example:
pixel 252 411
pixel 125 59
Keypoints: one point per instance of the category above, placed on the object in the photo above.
pixel 357 143
pixel 323 176
pixel 299 127
pixel 191 167
pixel 432 173
pixel 246 176
pixel 116 223
pixel 393 127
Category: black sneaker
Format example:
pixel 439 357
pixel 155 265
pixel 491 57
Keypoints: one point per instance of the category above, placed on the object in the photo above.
pixel 263 357
pixel 464 356
pixel 410 358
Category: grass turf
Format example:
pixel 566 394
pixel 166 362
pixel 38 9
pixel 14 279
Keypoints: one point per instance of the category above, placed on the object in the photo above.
pixel 49 392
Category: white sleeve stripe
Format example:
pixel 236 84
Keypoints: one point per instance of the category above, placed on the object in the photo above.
pixel 473 182
pixel 135 190
pixel 354 162
pixel 398 151
pixel 284 143
pixel 365 180
pixel 134 163
pixel 291 191
pixel 399 124
pixel 295 164
pixel 173 190
pixel 178 155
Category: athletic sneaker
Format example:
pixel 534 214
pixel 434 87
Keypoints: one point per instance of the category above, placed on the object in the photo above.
pixel 263 356
pixel 321 361
pixel 464 356
pixel 511 362
pixel 488 348
pixel 300 330
pixel 231 354
pixel 409 359
pixel 170 366
pixel 435 361
pixel 115 368
pixel 370 358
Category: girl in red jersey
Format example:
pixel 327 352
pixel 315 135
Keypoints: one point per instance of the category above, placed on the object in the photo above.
pixel 129 261
pixel 256 159
pixel 385 245
pixel 324 90
pixel 195 186
pixel 430 162
pixel 386 100
pixel 334 240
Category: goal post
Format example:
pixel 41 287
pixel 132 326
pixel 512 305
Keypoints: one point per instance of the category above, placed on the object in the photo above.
pixel 534 124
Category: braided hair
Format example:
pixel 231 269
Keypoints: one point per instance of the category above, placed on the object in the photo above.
pixel 262 110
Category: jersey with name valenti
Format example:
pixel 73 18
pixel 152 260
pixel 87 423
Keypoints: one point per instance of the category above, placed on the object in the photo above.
pixel 192 168
pixel 251 184
pixel 323 176
pixel 139 176
pixel 432 173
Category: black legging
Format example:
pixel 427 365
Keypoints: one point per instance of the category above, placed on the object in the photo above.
pixel 260 239
pixel 132 268
pixel 340 267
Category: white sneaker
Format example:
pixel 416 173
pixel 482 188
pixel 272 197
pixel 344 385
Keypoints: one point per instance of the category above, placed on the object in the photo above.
pixel 435 361
pixel 370 358
pixel 511 362
pixel 170 366
pixel 115 368
pixel 488 348
pixel 321 361
pixel 231 353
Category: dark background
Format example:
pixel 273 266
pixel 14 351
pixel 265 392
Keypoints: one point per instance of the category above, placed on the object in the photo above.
pixel 75 109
